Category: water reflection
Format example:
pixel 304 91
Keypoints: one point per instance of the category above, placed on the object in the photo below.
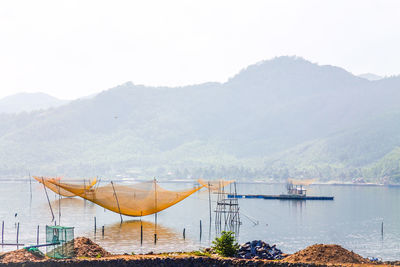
pixel 352 220
pixel 67 205
pixel 127 237
pixel 68 202
pixel 296 204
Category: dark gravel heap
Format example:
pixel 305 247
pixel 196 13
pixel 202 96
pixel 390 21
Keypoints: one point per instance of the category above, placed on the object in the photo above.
pixel 258 249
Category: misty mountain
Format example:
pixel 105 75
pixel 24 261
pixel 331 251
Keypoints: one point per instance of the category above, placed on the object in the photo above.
pixel 28 101
pixel 370 76
pixel 280 118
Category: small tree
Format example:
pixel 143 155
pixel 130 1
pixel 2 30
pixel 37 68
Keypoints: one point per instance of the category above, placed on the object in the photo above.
pixel 225 244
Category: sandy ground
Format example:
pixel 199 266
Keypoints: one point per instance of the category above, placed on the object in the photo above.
pixel 87 250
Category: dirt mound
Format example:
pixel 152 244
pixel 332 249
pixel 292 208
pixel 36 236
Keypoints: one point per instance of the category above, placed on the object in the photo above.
pixel 325 254
pixel 20 255
pixel 84 247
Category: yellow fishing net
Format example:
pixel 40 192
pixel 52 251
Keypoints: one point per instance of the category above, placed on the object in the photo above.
pixel 47 181
pixel 214 186
pixel 132 200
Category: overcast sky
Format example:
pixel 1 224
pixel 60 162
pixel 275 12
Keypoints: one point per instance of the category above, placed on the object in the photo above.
pixel 72 48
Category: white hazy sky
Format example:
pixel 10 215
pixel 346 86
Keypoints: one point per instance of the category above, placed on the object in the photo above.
pixel 75 48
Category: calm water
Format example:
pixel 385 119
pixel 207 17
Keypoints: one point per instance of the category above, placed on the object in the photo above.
pixel 352 220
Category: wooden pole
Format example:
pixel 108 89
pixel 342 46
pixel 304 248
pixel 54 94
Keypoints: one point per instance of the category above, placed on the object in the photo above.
pixel 48 200
pixel 141 229
pixel 2 233
pixel 201 230
pixel 223 197
pixel 102 231
pixel 155 238
pixel 17 234
pixel 95 225
pixel 141 233
pixel 209 200
pixel 382 229
pixel 37 235
pixel 59 206
pixel 155 202
pixel 115 194
pixel 30 185
pixel 184 233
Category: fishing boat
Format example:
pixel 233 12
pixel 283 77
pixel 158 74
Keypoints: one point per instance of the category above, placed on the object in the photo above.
pixel 295 191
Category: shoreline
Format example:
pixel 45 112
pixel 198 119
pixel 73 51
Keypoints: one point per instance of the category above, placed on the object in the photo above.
pixel 88 253
pixel 184 181
pixel 176 259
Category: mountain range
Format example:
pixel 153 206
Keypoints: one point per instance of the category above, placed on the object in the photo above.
pixel 279 118
pixel 28 102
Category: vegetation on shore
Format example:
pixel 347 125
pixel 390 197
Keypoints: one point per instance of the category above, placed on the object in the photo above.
pixel 225 245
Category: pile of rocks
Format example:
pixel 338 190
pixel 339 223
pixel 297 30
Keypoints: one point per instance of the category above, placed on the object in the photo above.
pixel 258 249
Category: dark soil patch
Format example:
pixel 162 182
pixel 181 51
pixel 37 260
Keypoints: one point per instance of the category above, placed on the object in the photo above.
pixel 84 247
pixel 20 255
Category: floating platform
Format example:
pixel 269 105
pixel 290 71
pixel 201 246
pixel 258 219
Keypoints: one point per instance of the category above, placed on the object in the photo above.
pixel 283 197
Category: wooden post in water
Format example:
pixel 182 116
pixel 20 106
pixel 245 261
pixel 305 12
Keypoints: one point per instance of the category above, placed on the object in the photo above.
pixel 102 231
pixel 59 206
pixel 209 200
pixel 17 234
pixel 141 229
pixel 209 206
pixel 382 229
pixel 115 194
pixel 94 224
pixel 155 202
pixel 2 233
pixel 30 185
pixel 37 235
pixel 155 239
pixel 184 233
pixel 201 230
pixel 141 234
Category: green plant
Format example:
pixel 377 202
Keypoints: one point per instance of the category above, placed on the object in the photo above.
pixel 225 244
pixel 200 253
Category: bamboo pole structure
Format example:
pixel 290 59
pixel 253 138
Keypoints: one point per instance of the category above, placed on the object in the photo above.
pixel 115 194
pixel 48 200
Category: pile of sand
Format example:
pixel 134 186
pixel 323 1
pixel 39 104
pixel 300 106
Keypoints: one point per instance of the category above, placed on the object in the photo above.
pixel 84 247
pixel 325 254
pixel 20 255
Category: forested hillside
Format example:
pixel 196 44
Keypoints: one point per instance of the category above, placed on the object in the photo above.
pixel 280 118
